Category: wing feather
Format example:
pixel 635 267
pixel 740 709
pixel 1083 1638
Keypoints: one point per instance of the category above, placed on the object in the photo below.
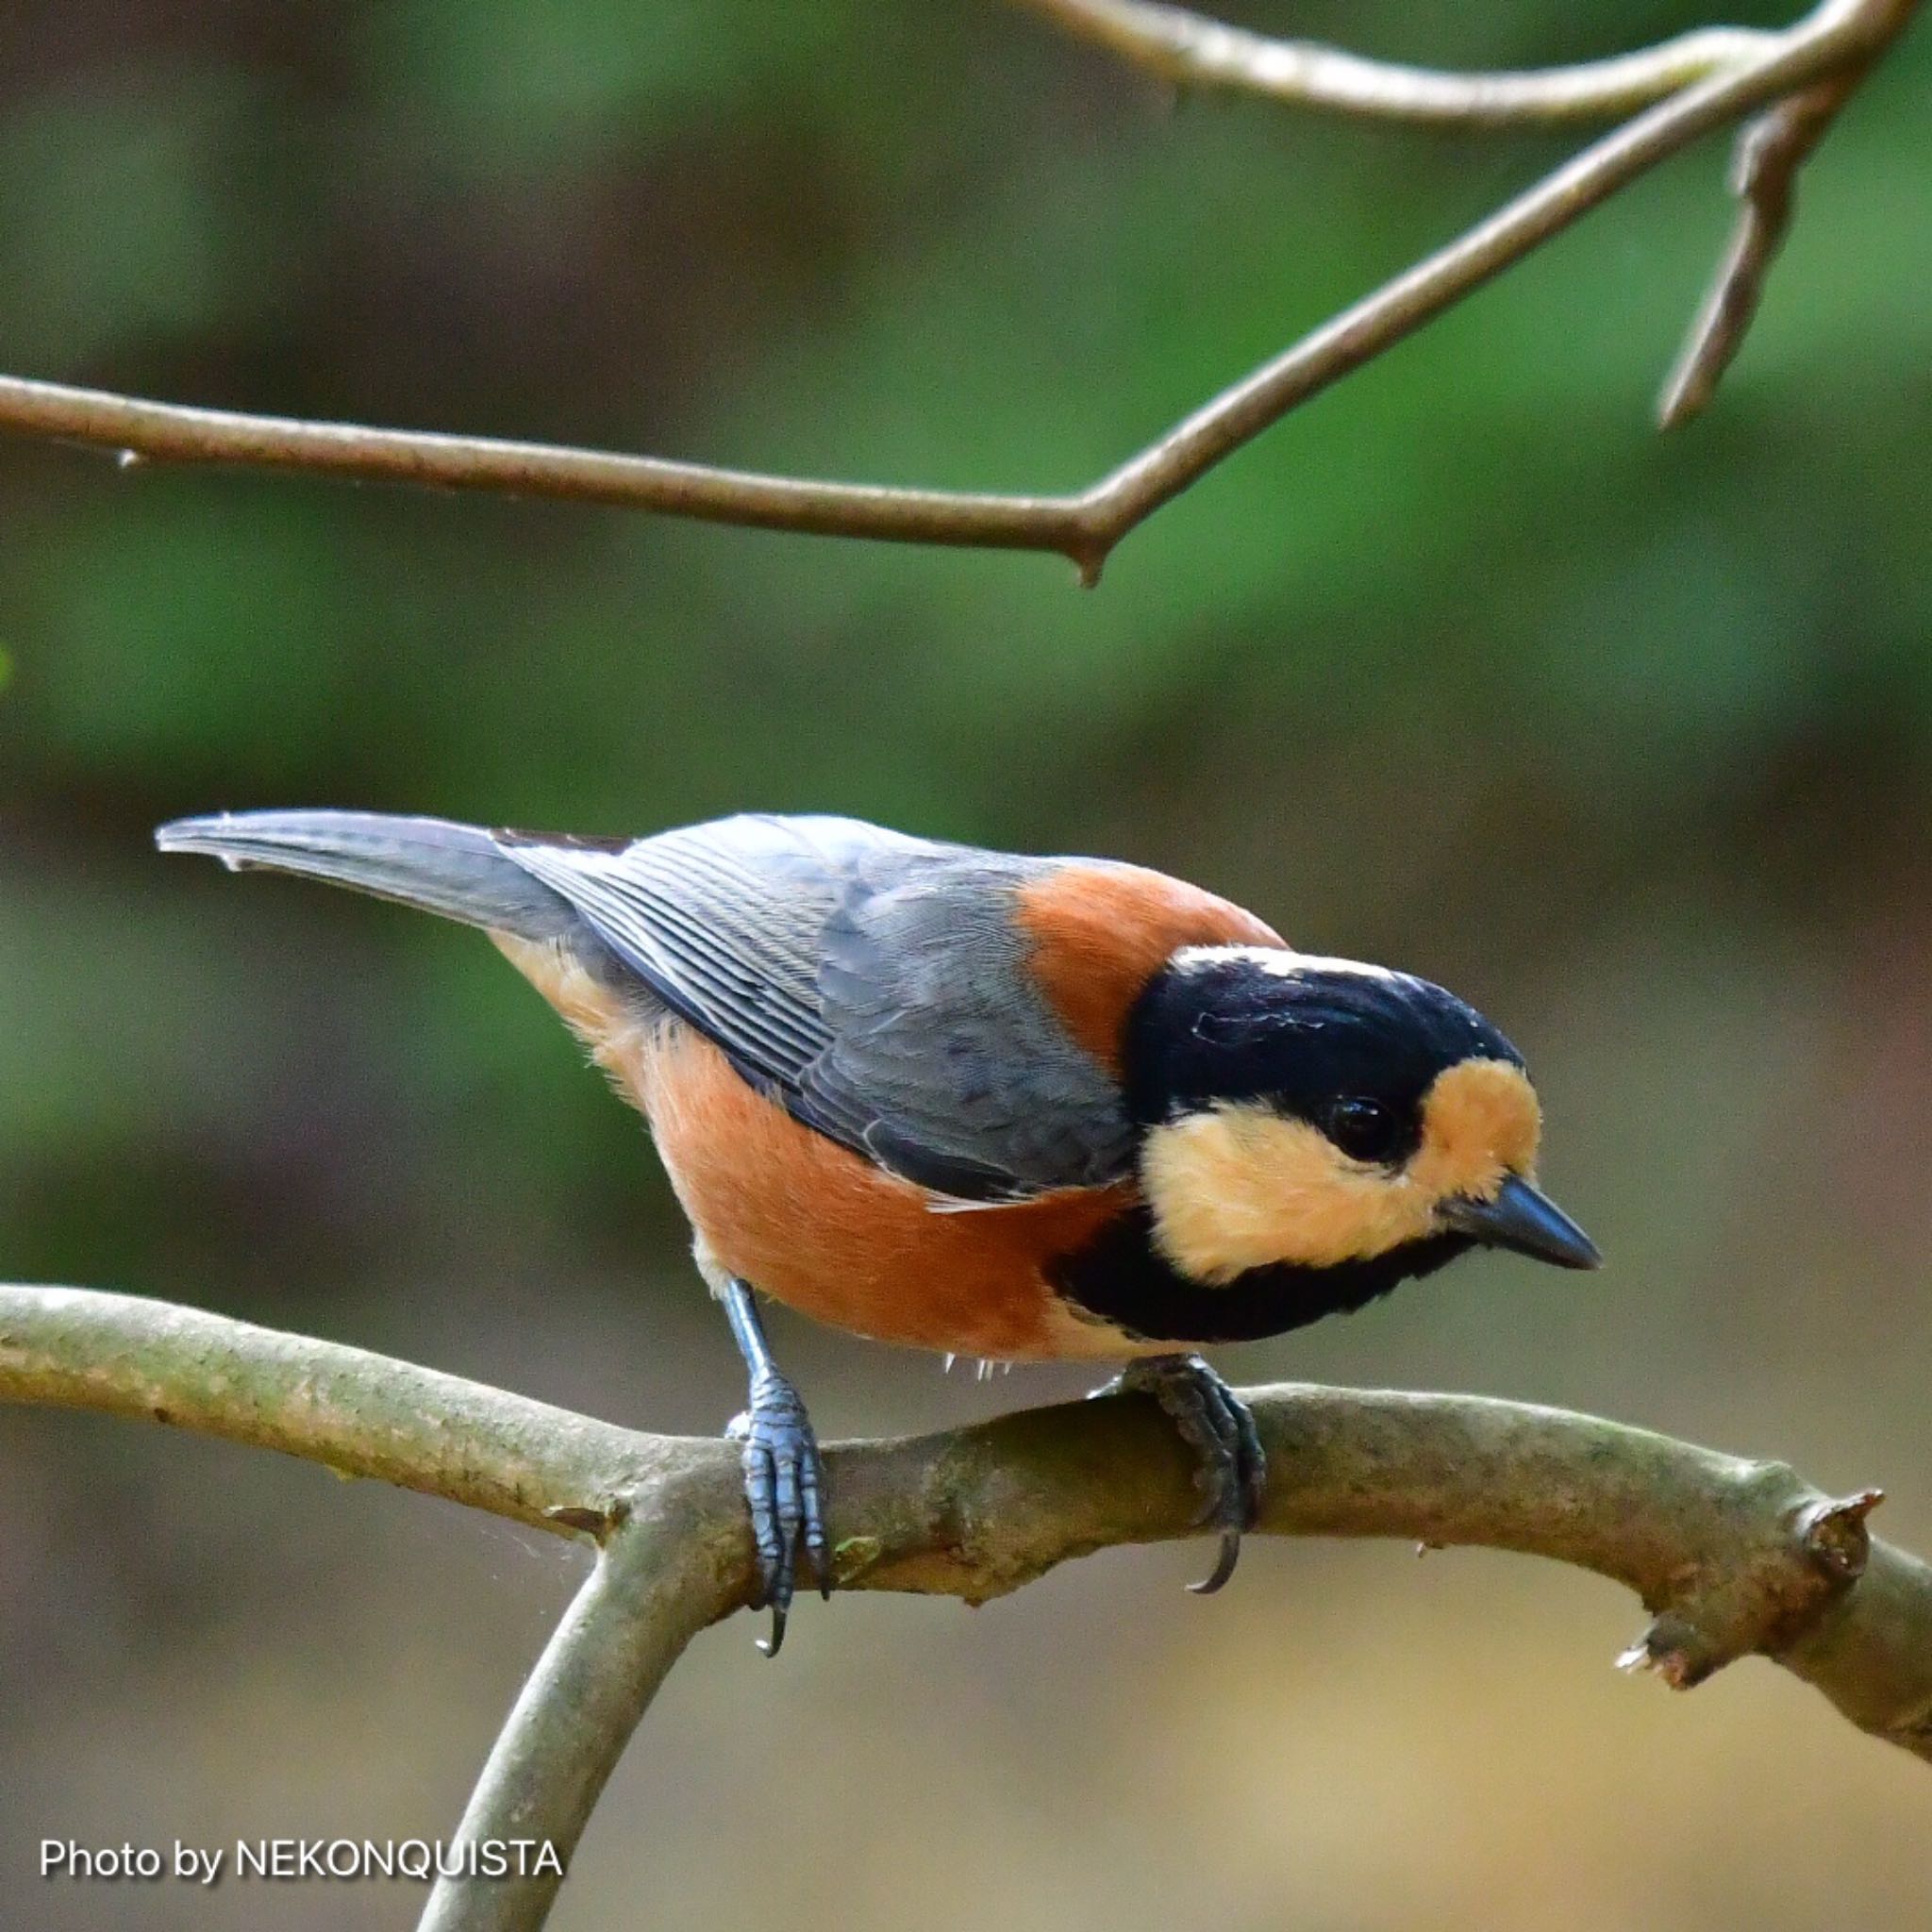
pixel 874 982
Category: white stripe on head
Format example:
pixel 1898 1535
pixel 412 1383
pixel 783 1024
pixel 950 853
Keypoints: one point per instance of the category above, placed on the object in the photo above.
pixel 1283 961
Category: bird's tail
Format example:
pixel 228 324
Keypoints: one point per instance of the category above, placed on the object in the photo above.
pixel 458 870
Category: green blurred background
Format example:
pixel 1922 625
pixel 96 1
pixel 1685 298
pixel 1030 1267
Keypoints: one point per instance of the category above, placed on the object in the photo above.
pixel 1627 738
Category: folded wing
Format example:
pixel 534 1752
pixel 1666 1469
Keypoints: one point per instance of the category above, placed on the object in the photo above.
pixel 875 984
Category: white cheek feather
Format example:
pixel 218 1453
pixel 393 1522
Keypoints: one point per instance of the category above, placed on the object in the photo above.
pixel 1284 962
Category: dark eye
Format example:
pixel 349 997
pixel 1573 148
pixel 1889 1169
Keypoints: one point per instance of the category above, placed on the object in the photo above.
pixel 1364 1130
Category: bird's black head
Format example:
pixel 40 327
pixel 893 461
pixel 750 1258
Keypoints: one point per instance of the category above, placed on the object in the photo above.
pixel 1324 1114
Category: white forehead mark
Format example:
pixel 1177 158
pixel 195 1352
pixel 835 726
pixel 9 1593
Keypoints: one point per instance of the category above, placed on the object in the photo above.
pixel 1282 961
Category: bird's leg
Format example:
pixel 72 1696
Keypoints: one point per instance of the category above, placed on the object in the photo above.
pixel 784 1480
pixel 1219 1428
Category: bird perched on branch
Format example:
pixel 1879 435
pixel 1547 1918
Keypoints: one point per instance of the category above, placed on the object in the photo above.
pixel 1016 1108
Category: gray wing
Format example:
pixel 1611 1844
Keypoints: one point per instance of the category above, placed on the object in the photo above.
pixel 872 982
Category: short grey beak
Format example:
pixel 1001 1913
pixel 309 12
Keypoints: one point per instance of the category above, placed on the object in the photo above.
pixel 1523 1219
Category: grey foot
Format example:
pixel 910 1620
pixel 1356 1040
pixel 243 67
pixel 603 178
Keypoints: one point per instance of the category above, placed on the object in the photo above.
pixel 1218 1427
pixel 784 1482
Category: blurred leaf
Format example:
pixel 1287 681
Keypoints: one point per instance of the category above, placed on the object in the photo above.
pixel 114 227
pixel 180 634
pixel 511 78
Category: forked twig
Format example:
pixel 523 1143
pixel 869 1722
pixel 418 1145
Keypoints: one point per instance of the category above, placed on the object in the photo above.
pixel 1189 49
pixel 1691 85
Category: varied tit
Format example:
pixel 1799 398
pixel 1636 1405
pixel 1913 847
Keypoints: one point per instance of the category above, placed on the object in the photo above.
pixel 1013 1107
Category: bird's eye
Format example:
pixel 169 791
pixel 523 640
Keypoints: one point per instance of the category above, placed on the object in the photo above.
pixel 1364 1130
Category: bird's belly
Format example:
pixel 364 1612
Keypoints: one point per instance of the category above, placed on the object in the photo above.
pixel 830 1234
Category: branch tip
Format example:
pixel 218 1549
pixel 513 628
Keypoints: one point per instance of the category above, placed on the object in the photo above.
pixel 1673 1650
pixel 575 1516
pixel 1834 1534
pixel 1765 162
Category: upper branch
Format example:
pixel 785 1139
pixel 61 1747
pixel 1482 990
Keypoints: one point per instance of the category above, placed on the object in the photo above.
pixel 1731 1556
pixel 1192 50
pixel 176 433
pixel 1684 90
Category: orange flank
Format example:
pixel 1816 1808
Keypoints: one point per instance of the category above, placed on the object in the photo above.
pixel 840 1239
pixel 820 1227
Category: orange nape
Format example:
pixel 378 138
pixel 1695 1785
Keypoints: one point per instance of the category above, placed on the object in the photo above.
pixel 1100 932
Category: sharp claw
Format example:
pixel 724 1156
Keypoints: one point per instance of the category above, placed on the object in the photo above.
pixel 1223 1568
pixel 1215 1424
pixel 772 1645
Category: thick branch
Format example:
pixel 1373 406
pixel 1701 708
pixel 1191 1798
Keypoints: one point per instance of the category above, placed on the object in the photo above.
pixel 1731 1556
pixel 1192 50
pixel 356 1413
pixel 1841 38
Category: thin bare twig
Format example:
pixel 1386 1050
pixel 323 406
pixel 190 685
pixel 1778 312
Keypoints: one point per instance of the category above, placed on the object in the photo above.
pixel 1838 38
pixel 1764 178
pixel 1731 1557
pixel 1439 281
pixel 1190 50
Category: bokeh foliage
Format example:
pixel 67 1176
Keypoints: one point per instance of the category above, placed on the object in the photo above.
pixel 1627 738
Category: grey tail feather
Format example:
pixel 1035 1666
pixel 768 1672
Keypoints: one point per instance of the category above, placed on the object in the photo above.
pixel 434 864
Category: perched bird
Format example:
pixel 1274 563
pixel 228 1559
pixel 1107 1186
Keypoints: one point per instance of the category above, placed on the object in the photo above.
pixel 1016 1108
